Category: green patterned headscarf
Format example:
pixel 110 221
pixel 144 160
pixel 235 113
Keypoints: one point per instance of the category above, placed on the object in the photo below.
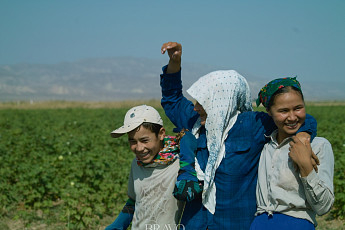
pixel 270 88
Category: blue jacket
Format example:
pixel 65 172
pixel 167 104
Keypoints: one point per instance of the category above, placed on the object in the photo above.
pixel 236 176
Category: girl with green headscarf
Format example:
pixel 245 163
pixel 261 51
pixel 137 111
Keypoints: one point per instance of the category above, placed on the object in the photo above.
pixel 289 191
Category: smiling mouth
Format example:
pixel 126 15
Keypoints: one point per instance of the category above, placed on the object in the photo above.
pixel 292 125
pixel 142 155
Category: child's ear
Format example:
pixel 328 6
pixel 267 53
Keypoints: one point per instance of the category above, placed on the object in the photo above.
pixel 161 133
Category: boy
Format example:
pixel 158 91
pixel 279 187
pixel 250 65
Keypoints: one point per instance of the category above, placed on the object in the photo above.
pixel 153 173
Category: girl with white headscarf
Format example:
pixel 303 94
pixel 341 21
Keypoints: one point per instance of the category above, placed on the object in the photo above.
pixel 229 136
pixel 223 94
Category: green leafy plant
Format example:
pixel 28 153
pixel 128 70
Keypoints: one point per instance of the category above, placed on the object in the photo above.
pixel 62 166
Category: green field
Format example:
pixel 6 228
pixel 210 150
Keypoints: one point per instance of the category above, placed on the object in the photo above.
pixel 60 169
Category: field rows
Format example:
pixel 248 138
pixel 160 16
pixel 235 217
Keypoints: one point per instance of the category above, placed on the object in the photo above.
pixel 59 168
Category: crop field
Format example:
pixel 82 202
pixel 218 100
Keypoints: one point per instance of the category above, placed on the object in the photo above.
pixel 60 169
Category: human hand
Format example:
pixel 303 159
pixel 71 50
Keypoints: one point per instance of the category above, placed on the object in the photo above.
pixel 302 155
pixel 303 137
pixel 315 161
pixel 175 52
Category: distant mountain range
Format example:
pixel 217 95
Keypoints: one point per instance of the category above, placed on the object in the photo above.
pixel 116 79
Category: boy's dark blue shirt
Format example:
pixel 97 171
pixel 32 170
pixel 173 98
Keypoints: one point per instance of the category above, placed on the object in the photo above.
pixel 236 176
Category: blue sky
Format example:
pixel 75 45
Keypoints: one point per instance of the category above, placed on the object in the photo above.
pixel 264 38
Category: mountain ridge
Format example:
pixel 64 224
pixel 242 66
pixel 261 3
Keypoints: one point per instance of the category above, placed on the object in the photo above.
pixel 116 79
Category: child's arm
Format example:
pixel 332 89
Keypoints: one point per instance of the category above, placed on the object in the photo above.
pixel 125 217
pixel 187 186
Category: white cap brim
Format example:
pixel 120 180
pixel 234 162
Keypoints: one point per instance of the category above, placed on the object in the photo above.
pixel 124 129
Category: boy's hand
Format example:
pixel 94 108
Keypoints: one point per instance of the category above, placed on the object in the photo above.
pixel 175 52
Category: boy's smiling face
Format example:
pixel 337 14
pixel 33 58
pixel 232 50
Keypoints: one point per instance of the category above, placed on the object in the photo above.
pixel 145 144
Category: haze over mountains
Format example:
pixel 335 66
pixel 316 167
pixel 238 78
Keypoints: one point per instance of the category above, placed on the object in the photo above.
pixel 116 79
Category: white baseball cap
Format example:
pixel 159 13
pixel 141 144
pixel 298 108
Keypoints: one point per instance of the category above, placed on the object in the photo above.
pixel 135 117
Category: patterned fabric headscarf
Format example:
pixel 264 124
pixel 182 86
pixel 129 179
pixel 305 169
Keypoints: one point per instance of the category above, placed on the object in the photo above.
pixel 270 88
pixel 223 95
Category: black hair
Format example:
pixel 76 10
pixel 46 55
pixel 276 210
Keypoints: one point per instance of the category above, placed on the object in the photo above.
pixel 155 128
pixel 281 91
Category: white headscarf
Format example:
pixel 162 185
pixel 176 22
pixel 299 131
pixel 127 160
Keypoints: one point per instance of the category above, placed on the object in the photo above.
pixel 223 95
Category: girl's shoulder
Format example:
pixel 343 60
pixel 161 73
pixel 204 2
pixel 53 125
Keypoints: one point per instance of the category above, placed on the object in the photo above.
pixel 321 144
pixel 320 141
